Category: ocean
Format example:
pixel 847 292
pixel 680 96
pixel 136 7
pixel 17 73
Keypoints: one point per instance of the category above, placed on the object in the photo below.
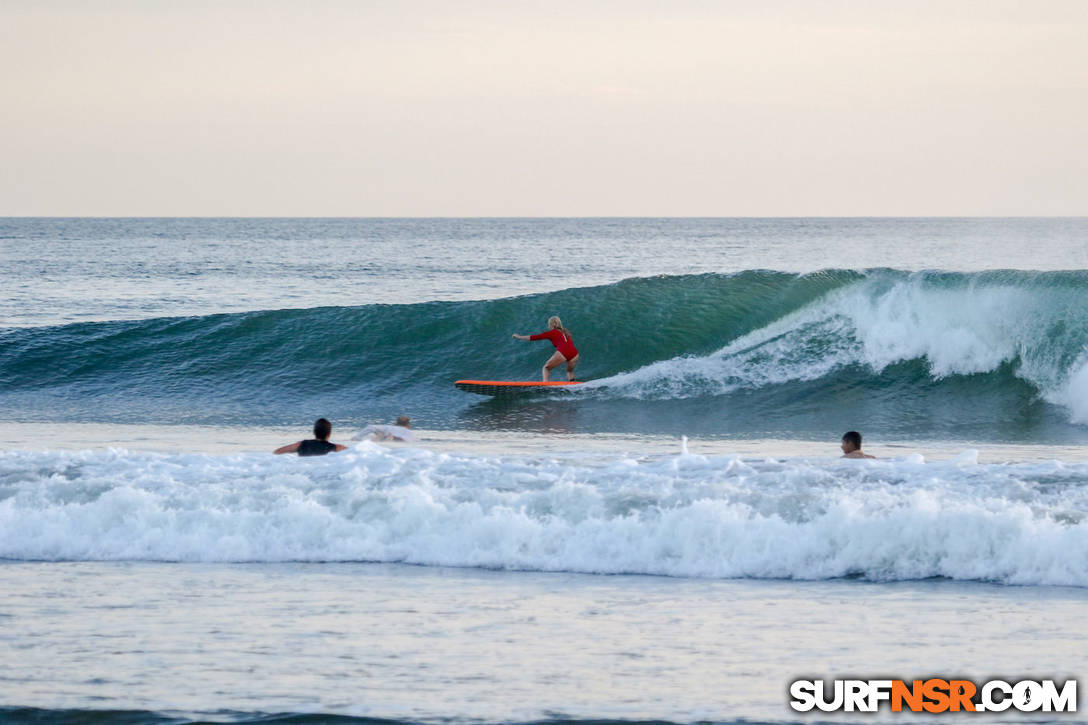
pixel 675 541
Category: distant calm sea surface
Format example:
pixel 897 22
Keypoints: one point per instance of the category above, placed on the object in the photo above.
pixel 675 540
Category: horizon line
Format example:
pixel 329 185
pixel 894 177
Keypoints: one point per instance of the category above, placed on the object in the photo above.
pixel 527 217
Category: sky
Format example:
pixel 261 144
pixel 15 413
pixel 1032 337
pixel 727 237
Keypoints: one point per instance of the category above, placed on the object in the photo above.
pixel 550 108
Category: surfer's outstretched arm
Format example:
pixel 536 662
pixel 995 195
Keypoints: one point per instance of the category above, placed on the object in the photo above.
pixel 289 448
pixel 520 337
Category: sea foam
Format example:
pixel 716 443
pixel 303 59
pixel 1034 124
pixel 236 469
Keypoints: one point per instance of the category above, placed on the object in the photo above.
pixel 958 325
pixel 686 515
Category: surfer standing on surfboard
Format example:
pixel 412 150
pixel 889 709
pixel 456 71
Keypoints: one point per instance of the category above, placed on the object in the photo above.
pixel 565 351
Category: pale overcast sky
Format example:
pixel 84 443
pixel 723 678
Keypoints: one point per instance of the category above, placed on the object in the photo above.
pixel 550 108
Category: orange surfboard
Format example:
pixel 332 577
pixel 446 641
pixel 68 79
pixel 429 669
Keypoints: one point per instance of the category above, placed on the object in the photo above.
pixel 507 387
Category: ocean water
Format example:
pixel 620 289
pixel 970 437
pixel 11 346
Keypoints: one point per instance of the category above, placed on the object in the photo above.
pixel 675 540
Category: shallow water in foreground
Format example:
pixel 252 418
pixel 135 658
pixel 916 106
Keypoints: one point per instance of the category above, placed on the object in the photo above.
pixel 498 640
pixel 414 643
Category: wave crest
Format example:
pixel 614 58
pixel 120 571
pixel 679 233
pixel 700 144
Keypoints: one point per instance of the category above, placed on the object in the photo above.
pixel 786 344
pixel 957 325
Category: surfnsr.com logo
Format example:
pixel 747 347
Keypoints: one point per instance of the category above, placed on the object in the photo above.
pixel 934 695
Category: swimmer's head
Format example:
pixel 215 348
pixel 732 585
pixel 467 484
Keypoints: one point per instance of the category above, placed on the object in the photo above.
pixel 322 429
pixel 404 421
pixel 554 323
pixel 851 441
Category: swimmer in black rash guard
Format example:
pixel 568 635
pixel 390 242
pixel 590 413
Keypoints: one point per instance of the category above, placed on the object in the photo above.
pixel 317 446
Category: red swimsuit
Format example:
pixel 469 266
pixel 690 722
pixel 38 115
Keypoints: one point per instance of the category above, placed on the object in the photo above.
pixel 562 342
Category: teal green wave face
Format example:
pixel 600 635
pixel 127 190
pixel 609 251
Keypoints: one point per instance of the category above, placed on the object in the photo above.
pixel 984 355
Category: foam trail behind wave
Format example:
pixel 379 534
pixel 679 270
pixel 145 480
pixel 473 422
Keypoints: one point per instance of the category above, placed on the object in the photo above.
pixel 687 515
pixel 958 325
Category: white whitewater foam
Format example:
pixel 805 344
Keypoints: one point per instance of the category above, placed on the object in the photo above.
pixel 973 327
pixel 683 515
pixel 378 431
pixel 1074 393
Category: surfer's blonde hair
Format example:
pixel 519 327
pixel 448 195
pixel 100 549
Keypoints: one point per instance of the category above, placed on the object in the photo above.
pixel 554 323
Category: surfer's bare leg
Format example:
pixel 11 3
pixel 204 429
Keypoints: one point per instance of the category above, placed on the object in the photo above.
pixel 570 367
pixel 553 362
